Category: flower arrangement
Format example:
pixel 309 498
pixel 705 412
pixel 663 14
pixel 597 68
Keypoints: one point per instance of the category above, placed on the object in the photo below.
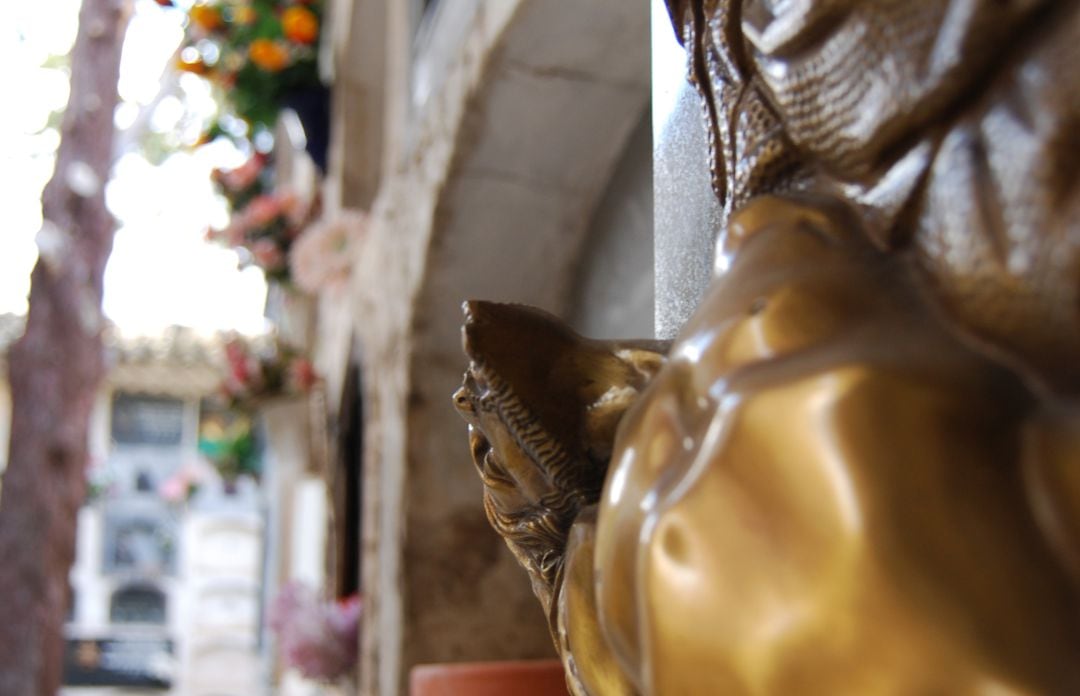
pixel 264 222
pixel 317 638
pixel 264 229
pixel 321 257
pixel 255 372
pixel 230 447
pixel 256 51
pixel 243 184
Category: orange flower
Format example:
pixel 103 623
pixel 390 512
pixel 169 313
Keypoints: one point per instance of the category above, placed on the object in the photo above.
pixel 205 17
pixel 300 24
pixel 269 55
pixel 196 67
pixel 244 15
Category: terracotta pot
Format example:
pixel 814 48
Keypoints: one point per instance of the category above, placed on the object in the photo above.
pixel 521 678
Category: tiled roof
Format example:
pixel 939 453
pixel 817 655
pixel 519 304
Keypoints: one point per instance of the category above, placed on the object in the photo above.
pixel 177 345
pixel 177 361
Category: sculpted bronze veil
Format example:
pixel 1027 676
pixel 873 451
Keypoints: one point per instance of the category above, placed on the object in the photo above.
pixel 857 469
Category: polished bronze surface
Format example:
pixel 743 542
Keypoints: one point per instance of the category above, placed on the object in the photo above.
pixel 857 470
pixel 824 492
pixel 542 405
pixel 952 127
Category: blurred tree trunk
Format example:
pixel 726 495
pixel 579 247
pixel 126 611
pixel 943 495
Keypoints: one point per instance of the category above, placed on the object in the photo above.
pixel 55 369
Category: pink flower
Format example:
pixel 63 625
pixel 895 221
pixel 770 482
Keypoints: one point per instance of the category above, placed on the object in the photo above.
pixel 263 210
pixel 317 638
pixel 232 235
pixel 233 388
pixel 291 207
pixel 243 372
pixel 241 177
pixel 344 619
pixel 237 358
pixel 239 374
pixel 237 229
pixel 235 348
pixel 268 254
pixel 173 489
pixel 227 391
pixel 180 486
pixel 302 375
pixel 256 374
pixel 244 175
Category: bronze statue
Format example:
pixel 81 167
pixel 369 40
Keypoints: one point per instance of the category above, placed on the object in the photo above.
pixel 857 470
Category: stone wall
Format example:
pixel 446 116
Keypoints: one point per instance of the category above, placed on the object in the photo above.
pixel 492 198
pixel 613 292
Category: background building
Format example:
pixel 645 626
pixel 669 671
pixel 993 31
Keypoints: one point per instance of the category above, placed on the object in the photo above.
pixel 172 584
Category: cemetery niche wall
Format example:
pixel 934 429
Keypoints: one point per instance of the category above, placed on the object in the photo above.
pixel 155 599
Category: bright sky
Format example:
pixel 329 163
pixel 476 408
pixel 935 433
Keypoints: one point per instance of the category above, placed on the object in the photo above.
pixel 161 272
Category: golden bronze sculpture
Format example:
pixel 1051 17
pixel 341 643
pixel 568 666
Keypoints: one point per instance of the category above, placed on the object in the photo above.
pixel 542 428
pixel 857 471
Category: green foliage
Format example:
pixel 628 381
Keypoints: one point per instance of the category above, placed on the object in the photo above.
pixel 231 448
pixel 257 52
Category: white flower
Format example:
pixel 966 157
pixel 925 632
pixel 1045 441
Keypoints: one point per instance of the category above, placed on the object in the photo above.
pixel 321 257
